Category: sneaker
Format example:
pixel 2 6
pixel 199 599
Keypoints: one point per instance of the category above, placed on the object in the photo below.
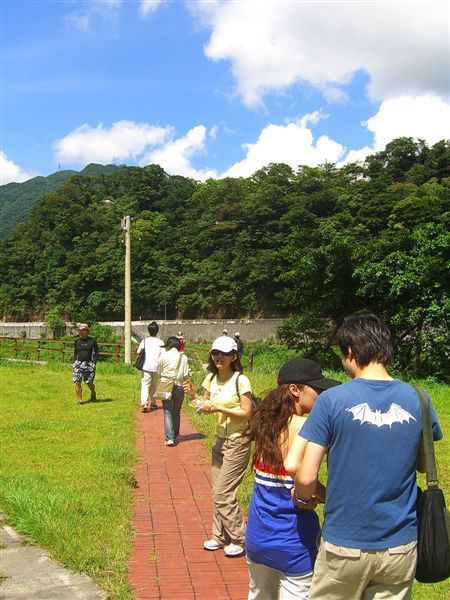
pixel 153 407
pixel 93 397
pixel 170 443
pixel 212 545
pixel 144 408
pixel 234 550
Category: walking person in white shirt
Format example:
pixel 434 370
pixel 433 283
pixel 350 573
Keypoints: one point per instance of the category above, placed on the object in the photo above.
pixel 173 366
pixel 152 346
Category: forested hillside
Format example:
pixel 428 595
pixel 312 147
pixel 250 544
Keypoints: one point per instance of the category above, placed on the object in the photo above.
pixel 17 199
pixel 315 244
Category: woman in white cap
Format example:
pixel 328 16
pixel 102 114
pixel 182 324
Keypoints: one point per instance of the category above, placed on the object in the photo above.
pixel 228 395
pixel 281 535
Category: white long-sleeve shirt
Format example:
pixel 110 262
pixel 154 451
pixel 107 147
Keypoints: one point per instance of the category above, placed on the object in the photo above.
pixel 167 366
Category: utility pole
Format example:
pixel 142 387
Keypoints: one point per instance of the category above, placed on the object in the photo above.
pixel 165 305
pixel 126 226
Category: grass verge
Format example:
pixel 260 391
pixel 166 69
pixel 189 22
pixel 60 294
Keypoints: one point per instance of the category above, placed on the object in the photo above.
pixel 67 469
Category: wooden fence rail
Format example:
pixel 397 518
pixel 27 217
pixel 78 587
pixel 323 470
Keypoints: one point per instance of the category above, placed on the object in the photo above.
pixel 64 347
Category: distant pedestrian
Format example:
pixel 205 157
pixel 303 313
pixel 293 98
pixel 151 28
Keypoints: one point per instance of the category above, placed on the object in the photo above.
pixel 84 362
pixel 182 341
pixel 225 332
pixel 239 343
pixel 152 346
pixel 173 366
pixel 228 395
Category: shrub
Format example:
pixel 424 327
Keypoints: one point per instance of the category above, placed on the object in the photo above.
pixel 104 333
pixel 55 322
pixel 312 338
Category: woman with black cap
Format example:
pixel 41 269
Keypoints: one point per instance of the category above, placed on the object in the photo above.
pixel 228 394
pixel 280 537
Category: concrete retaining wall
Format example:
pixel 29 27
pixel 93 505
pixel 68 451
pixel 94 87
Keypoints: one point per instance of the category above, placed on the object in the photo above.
pixel 29 330
pixel 193 331
pixel 197 331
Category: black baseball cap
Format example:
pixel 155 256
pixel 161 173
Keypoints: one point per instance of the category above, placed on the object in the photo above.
pixel 304 370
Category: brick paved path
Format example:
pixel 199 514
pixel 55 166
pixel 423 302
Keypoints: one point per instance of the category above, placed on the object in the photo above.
pixel 172 517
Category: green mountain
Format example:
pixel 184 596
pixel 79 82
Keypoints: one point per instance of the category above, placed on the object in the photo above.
pixel 17 199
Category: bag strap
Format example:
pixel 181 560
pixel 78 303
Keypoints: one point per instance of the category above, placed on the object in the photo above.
pixel 427 435
pixel 178 366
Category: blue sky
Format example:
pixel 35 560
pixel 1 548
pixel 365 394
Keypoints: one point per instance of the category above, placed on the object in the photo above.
pixel 215 88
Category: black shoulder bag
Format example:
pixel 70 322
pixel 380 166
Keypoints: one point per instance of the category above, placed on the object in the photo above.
pixel 433 547
pixel 256 401
pixel 139 364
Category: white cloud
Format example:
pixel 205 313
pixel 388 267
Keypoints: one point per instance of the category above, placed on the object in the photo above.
pixel 292 144
pixel 149 6
pixel 176 155
pixel 79 21
pixel 423 117
pixel 123 140
pixel 272 45
pixel 357 155
pixel 213 131
pixel 84 18
pixel 10 172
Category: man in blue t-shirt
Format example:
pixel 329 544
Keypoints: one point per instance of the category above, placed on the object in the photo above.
pixel 371 428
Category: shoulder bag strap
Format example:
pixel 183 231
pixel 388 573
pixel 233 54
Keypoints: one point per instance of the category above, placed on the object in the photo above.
pixel 178 366
pixel 428 443
pixel 237 385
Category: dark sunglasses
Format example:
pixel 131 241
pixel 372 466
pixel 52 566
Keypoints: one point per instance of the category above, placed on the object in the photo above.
pixel 220 353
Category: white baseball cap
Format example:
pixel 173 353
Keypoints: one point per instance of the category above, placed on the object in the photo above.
pixel 237 333
pixel 224 344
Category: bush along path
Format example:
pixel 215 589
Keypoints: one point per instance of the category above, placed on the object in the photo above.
pixel 28 573
pixel 171 519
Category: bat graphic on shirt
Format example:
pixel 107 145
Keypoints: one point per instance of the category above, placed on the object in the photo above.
pixel 395 414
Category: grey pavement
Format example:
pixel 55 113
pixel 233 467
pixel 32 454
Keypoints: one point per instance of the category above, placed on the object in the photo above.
pixel 29 573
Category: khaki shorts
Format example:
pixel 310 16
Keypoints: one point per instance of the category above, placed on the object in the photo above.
pixel 342 573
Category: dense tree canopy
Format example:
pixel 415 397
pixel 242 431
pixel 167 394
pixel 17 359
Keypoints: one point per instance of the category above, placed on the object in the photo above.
pixel 314 244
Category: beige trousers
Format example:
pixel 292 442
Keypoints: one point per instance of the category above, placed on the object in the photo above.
pixel 230 458
pixel 342 573
pixel 149 382
pixel 270 584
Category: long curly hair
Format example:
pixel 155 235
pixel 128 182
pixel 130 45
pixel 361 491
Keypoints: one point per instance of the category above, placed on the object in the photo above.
pixel 269 424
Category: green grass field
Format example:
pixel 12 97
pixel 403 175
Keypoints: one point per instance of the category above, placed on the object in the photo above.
pixel 67 470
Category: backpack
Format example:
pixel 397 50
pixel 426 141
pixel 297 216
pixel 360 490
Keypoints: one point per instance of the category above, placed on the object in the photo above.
pixel 256 401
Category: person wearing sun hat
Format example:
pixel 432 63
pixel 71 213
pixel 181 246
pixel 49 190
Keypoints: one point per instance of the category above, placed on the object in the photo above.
pixel 227 394
pixel 239 344
pixel 280 538
pixel 84 362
